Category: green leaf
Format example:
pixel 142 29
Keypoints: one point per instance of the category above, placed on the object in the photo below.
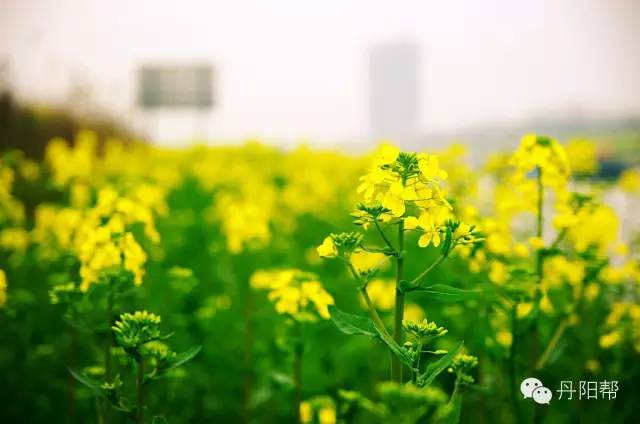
pixel 282 380
pixel 86 380
pixel 456 407
pixel 167 336
pixel 445 293
pixel 436 367
pixel 394 347
pixel 184 357
pixel 352 324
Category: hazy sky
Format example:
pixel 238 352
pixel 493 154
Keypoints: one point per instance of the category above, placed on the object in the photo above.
pixel 294 68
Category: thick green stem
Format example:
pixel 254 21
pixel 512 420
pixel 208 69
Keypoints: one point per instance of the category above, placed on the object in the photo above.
pixel 139 392
pixel 396 365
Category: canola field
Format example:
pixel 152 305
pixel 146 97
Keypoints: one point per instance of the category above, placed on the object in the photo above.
pixel 253 285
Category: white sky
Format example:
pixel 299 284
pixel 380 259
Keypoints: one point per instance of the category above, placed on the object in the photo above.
pixel 294 68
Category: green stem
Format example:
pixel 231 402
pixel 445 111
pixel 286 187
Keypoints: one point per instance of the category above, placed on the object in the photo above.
pixel 396 365
pixel 535 342
pixel 109 342
pixel 139 392
pixel 106 413
pixel 372 311
pixel 71 382
pixel 387 338
pixel 99 411
pixel 539 227
pixel 427 271
pixel 297 371
pixel 384 236
pixel 552 344
pixel 512 363
pixel 414 374
pixel 248 352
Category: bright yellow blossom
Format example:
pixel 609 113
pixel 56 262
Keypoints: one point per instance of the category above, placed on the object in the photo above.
pixel 327 249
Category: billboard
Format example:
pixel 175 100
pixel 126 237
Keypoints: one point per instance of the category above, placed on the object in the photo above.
pixel 175 86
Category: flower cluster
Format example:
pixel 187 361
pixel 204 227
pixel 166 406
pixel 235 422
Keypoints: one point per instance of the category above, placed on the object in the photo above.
pixel 134 330
pixel 424 329
pixel 13 236
pixel 622 323
pixel 246 223
pixel 101 237
pixel 105 251
pixel 461 366
pixel 70 163
pixel 404 186
pixel 343 244
pixel 542 155
pixel 295 293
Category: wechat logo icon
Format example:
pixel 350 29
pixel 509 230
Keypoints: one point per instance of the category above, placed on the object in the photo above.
pixel 534 389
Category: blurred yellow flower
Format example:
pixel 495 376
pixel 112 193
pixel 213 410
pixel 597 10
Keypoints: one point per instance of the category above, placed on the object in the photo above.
pixel 327 415
pixel 629 180
pixel 504 337
pixel 523 309
pixel 327 249
pixel 382 293
pixel 582 158
pixel 295 293
pixel 3 288
pixel 607 341
pixel 498 272
pixel 306 413
pixel 413 312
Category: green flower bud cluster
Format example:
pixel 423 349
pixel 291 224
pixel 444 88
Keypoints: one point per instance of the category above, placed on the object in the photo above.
pixel 461 365
pixel 412 350
pixel 424 329
pixel 409 395
pixel 346 243
pixel 157 349
pixel 366 214
pixel 134 330
pixel 406 165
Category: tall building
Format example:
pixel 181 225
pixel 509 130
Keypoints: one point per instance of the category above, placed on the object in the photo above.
pixel 394 91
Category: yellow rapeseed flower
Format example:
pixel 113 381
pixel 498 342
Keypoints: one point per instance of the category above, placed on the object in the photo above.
pixel 607 341
pixel 327 249
pixel 3 288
